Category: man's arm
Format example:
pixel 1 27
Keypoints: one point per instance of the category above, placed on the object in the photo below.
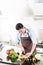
pixel 21 47
pixel 18 44
pixel 34 42
pixel 33 48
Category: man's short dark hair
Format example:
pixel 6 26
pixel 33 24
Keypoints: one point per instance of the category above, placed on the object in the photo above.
pixel 19 26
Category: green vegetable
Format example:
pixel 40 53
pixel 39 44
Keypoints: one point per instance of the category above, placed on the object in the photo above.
pixel 33 54
pixel 27 59
pixel 13 55
pixel 12 49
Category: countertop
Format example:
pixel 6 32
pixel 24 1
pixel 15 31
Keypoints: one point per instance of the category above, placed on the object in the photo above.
pixel 3 56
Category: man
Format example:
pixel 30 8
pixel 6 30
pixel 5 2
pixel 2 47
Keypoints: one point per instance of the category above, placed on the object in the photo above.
pixel 26 39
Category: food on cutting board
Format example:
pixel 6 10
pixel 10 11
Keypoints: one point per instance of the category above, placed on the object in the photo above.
pixel 22 56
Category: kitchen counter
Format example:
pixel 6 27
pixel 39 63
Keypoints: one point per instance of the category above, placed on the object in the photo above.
pixel 3 56
pixel 25 63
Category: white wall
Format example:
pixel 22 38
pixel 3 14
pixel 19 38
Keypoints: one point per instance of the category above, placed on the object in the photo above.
pixel 14 11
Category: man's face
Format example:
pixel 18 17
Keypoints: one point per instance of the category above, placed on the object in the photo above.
pixel 20 31
pixel 23 30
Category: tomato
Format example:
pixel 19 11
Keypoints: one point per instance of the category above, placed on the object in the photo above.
pixel 8 52
pixel 33 59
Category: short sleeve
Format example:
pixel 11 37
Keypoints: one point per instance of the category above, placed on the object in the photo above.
pixel 33 37
pixel 18 38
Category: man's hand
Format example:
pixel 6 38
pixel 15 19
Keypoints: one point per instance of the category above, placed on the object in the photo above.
pixel 23 50
pixel 21 47
pixel 28 54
